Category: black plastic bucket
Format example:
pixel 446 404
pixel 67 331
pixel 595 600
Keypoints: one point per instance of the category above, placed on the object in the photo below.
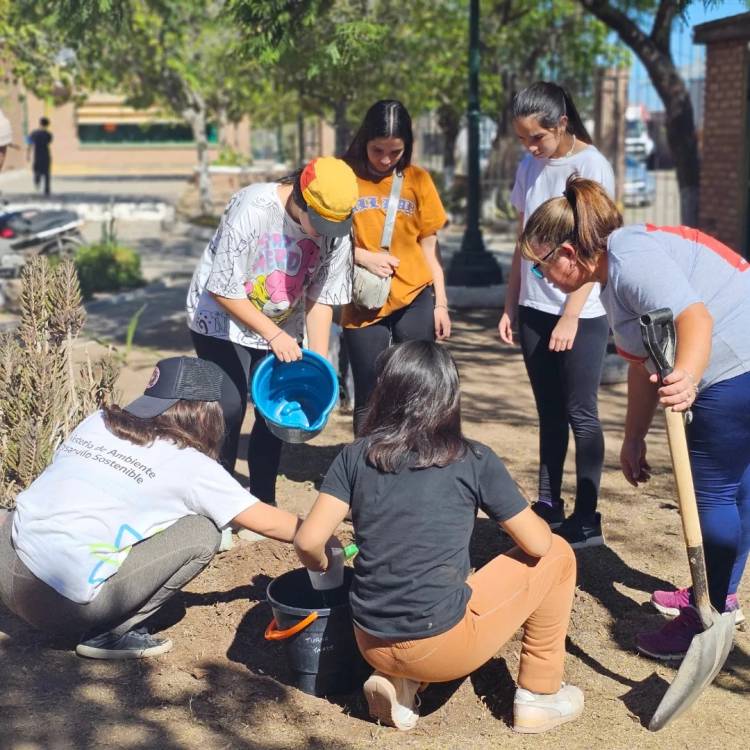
pixel 316 627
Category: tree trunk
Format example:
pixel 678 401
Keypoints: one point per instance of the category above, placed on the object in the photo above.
pixel 449 122
pixel 223 125
pixel 196 116
pixel 341 126
pixel 654 52
pixel 681 137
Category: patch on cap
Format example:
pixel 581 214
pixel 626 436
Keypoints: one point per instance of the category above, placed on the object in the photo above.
pixel 154 379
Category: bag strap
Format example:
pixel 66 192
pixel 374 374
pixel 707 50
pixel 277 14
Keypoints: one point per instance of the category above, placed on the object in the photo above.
pixel 390 216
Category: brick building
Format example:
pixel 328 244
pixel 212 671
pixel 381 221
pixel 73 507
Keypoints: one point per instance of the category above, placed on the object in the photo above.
pixel 725 162
pixel 102 135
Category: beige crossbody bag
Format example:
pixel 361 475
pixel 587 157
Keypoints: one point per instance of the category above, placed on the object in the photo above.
pixel 368 289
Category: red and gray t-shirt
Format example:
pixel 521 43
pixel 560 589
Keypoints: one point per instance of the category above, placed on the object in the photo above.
pixel 675 267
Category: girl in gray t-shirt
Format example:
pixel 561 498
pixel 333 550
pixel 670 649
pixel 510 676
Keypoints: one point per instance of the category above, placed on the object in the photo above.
pixel 579 238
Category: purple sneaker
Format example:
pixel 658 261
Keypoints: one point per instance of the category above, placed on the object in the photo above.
pixel 672 640
pixel 671 602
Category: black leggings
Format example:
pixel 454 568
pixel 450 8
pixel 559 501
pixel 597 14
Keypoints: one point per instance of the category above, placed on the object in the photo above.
pixel 363 345
pixel 565 386
pixel 264 448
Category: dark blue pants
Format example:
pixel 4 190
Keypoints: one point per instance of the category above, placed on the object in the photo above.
pixel 565 386
pixel 719 445
pixel 416 322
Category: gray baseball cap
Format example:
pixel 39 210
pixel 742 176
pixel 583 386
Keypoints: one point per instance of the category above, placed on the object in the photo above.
pixel 177 378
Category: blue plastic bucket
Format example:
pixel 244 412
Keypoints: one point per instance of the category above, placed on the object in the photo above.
pixel 295 398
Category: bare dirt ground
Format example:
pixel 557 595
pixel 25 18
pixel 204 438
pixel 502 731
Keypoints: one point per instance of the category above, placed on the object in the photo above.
pixel 223 686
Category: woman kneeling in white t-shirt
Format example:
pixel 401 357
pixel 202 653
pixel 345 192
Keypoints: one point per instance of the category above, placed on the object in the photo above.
pixel 128 513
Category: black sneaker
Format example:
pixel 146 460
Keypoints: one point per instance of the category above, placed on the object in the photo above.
pixel 135 644
pixel 553 514
pixel 580 533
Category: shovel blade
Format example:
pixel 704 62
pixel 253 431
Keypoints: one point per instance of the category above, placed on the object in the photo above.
pixel 703 661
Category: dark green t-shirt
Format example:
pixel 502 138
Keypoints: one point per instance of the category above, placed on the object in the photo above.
pixel 413 530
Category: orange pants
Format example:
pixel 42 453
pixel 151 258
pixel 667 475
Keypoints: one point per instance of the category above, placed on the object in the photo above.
pixel 511 591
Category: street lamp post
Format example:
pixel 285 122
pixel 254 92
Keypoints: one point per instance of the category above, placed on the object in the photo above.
pixel 473 265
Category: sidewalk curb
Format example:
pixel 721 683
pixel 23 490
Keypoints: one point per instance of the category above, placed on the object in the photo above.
pixel 132 295
pixel 126 210
pixel 462 297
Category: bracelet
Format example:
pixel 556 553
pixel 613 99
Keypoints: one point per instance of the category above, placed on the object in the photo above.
pixel 277 334
pixel 445 307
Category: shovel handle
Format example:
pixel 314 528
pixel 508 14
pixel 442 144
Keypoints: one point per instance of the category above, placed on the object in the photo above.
pixel 691 528
pixel 273 634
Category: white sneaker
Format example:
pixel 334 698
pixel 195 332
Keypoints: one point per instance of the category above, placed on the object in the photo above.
pixel 392 700
pixel 538 712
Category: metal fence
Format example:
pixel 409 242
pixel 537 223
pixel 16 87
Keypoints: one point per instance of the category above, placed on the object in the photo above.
pixel 659 181
pixel 649 183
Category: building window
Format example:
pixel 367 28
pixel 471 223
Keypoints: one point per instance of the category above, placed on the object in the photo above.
pixel 136 134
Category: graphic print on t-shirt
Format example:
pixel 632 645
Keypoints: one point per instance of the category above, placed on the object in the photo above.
pixel 246 259
pixel 111 556
pixel 280 272
pixel 370 202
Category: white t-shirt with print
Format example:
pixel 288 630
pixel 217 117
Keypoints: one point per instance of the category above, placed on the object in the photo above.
pixel 538 180
pixel 74 526
pixel 260 253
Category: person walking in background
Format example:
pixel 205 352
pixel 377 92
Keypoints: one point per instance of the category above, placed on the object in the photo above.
pixel 417 305
pixel 563 337
pixel 279 261
pixel 414 485
pixel 41 164
pixel 578 239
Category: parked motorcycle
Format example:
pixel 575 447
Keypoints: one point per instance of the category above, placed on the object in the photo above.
pixel 36 232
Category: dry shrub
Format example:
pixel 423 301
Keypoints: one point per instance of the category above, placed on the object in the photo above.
pixel 43 393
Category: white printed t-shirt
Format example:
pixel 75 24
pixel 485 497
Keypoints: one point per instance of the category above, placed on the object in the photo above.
pixel 74 526
pixel 538 180
pixel 260 253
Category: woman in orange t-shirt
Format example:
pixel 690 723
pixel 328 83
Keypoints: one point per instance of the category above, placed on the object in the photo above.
pixel 417 306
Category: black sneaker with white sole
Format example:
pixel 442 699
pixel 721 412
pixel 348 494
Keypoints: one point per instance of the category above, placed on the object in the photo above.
pixel 580 533
pixel 135 644
pixel 552 513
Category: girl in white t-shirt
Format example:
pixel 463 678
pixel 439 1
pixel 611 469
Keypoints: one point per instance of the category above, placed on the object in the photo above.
pixel 128 512
pixel 278 263
pixel 563 337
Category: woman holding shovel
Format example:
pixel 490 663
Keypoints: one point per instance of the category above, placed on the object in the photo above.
pixel 579 238
pixel 414 484
pixel 563 337
pixel 414 305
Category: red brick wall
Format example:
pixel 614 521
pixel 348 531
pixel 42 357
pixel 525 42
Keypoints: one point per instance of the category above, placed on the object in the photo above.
pixel 724 176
